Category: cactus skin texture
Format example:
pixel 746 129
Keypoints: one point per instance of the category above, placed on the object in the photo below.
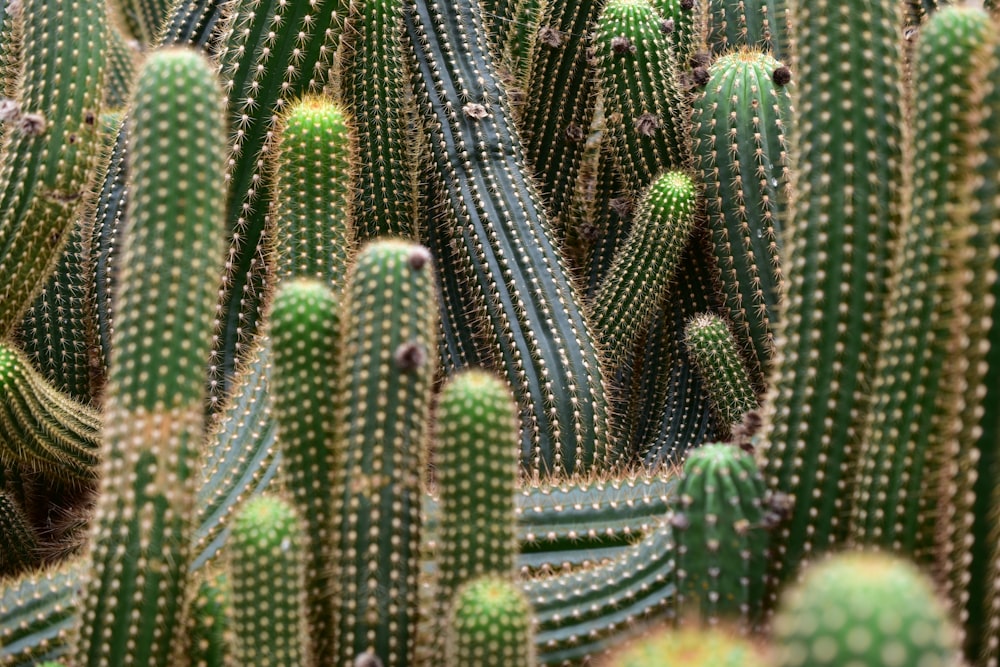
pixel 49 152
pixel 712 349
pixel 521 293
pixel 18 542
pixel 740 119
pixel 36 611
pixel 208 621
pixel 386 366
pixel 373 87
pixel 156 392
pixel 911 443
pixel 477 469
pixel 720 536
pixel 835 287
pixel 41 428
pixel 312 210
pixel 688 647
pixel 267 581
pixel 305 335
pixel 864 609
pixel 490 626
pixel 637 74
pixel 757 24
pixel 636 286
pixel 141 19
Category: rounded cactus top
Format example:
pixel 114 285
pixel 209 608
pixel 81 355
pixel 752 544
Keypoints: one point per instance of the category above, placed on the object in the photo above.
pixel 690 647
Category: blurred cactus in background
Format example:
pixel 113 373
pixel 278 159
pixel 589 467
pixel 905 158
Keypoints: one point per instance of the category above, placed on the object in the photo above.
pixel 379 333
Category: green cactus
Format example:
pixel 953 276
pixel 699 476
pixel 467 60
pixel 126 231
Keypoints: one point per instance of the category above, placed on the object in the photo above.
pixel 690 647
pixel 866 609
pixel 916 396
pixel 124 60
pixel 386 368
pixel 727 383
pixel 36 614
pixel 372 84
pixel 636 285
pixel 305 332
pixel 41 428
pixel 849 167
pixel 140 19
pixel 741 118
pixel 720 533
pixel 637 73
pixel 684 29
pixel 19 548
pixel 489 626
pixel 156 393
pixel 312 202
pixel 757 24
pixel 208 621
pixel 267 580
pixel 48 155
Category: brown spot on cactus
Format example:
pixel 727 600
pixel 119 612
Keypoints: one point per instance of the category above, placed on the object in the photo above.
pixel 782 76
pixel 574 132
pixel 32 124
pixel 622 45
pixel 687 5
pixel 419 258
pixel 667 26
pixel 474 110
pixel 700 59
pixel 699 76
pixel 647 124
pixel 410 356
pixel 550 37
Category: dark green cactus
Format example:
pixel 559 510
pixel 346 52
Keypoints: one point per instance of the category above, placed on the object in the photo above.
pixel 141 19
pixel 727 383
pixel 267 580
pixel 740 121
pixel 386 368
pixel 720 533
pixel 36 614
pixel 490 625
pixel 867 609
pixel 849 115
pixel 156 393
pixel 306 336
pixel 48 154
pixel 755 24
pixel 910 443
pixel 637 74
pixel 208 621
pixel 19 549
pixel 312 207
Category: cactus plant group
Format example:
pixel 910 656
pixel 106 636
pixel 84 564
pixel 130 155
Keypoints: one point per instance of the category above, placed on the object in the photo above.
pixel 543 332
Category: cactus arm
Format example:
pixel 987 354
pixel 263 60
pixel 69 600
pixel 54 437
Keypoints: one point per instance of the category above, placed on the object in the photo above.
pixel 531 308
pixel 490 625
pixel 49 153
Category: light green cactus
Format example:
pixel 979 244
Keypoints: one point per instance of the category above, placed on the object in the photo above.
pixel 490 625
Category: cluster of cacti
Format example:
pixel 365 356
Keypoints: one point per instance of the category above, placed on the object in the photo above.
pixel 551 332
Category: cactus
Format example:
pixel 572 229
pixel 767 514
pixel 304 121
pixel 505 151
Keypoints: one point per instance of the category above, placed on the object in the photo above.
pixel 18 543
pixel 208 622
pixel 305 330
pixel 490 625
pixel 386 369
pixel 689 647
pixel 915 421
pixel 636 285
pixel 48 154
pixel 267 580
pixel 720 533
pixel 835 287
pixel 868 609
pixel 713 352
pixel 636 70
pixel 141 19
pixel 757 24
pixel 36 614
pixel 741 119
pixel 155 418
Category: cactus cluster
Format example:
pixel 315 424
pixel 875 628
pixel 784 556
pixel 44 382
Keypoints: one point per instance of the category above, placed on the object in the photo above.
pixel 483 333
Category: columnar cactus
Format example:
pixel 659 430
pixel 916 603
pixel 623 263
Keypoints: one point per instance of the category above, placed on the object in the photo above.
pixel 490 625
pixel 717 360
pixel 156 394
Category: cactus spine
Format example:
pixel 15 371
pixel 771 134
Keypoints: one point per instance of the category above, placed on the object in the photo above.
pixel 849 115
pixel 153 426
pixel 50 146
pixel 757 24
pixel 386 368
pixel 267 581
pixel 740 121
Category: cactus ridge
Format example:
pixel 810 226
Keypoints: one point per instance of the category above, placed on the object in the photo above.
pixel 740 122
pixel 637 74
pixel 19 548
pixel 36 614
pixel 720 536
pixel 531 308
pixel 386 368
pixel 490 625
pixel 715 356
pixel 312 210
pixel 208 622
pixel 267 581
pixel 156 392
pixel 140 19
pixel 863 608
pixel 306 333
pixel 835 287
pixel 916 398
pixel 757 24
pixel 49 150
